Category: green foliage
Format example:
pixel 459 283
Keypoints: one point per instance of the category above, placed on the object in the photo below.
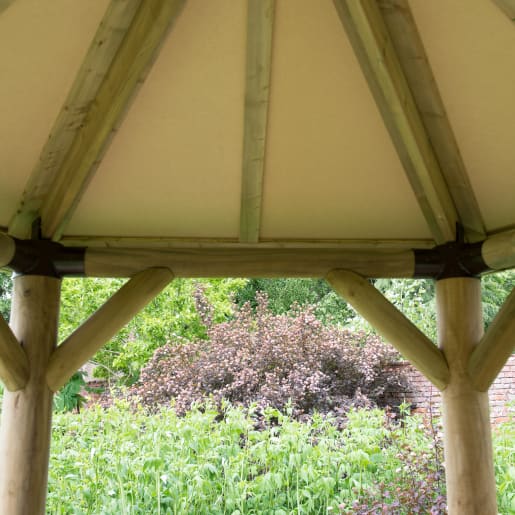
pixel 504 459
pixel 118 461
pixel 283 294
pixel 496 287
pixel 170 316
pixel 69 397
pixel 5 293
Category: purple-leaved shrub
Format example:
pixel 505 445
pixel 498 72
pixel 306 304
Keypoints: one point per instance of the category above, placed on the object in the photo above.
pixel 271 360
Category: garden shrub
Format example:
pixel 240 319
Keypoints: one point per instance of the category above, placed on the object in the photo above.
pixel 271 360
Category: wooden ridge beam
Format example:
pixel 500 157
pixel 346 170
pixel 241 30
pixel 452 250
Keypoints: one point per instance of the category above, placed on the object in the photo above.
pixel 507 7
pixel 73 115
pixel 260 20
pixel 422 84
pixel 392 324
pixel 249 262
pixel 14 366
pixel 495 347
pixel 375 51
pixel 82 344
pixel 130 66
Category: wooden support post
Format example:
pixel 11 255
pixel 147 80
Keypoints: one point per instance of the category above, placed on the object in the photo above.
pixel 392 324
pixel 26 414
pixel 467 437
pixel 82 344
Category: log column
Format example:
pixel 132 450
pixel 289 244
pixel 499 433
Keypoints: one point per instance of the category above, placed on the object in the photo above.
pixel 26 414
pixel 467 435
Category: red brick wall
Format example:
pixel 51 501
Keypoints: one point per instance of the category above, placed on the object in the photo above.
pixel 424 397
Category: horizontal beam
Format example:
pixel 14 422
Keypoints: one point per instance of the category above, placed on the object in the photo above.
pixel 233 243
pixel 498 251
pixel 7 249
pixel 260 22
pixel 129 68
pixel 248 262
pixel 494 349
pixel 392 324
pixel 82 344
pixel 377 57
pixel 14 366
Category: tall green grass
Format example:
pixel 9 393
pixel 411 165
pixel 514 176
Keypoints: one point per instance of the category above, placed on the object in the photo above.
pixel 121 462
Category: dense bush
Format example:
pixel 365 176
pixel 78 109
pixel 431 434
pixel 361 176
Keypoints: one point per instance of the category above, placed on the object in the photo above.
pixel 272 360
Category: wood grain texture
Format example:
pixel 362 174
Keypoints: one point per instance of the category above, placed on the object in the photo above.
pixel 498 251
pixel 4 4
pixel 233 243
pixel 260 20
pixel 7 249
pixel 420 79
pixel 392 324
pixel 216 262
pixel 494 349
pixel 129 68
pixel 26 414
pixel 82 344
pixel 74 113
pixel 14 367
pixel 377 57
pixel 469 466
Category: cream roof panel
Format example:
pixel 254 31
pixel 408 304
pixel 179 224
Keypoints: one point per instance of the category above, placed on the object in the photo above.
pixel 331 169
pixel 174 167
pixel 471 47
pixel 42 45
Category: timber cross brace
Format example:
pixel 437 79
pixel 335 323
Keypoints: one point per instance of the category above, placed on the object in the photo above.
pixel 463 365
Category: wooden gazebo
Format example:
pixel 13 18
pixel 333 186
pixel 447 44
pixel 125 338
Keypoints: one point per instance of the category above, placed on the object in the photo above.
pixel 351 139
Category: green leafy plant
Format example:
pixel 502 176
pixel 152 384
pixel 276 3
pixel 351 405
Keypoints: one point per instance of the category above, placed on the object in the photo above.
pixel 69 397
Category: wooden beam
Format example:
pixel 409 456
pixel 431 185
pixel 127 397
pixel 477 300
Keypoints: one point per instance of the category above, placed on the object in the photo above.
pixel 498 251
pixel 260 20
pixel 14 367
pixel 494 349
pixel 507 7
pixel 233 243
pixel 392 324
pixel 7 249
pixel 73 115
pixel 133 60
pixel 82 344
pixel 291 262
pixel 376 54
pixel 25 429
pixel 469 467
pixel 419 77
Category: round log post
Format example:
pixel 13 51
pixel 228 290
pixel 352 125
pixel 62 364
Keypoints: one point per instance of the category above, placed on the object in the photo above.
pixel 467 435
pixel 26 414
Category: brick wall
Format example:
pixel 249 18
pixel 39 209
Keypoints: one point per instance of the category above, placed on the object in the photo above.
pixel 425 398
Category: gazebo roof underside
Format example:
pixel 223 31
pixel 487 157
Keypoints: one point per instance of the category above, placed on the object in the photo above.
pixel 312 123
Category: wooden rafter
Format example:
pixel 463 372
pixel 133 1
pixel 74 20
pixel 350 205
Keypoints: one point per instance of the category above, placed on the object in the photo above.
pixel 76 109
pixel 14 367
pixel 82 344
pixel 417 71
pixel 367 32
pixel 129 67
pixel 508 7
pixel 495 347
pixel 260 19
pixel 392 324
